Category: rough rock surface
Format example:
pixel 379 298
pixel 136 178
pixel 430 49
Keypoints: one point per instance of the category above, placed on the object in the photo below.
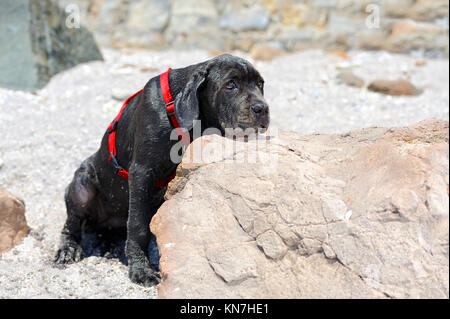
pixel 358 215
pixel 36 42
pixel 13 225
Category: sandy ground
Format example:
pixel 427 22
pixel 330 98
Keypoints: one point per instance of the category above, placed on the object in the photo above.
pixel 46 135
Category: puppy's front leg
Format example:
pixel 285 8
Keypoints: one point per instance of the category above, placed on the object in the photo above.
pixel 138 236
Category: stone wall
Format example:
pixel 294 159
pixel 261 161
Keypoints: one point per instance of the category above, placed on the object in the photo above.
pixel 419 26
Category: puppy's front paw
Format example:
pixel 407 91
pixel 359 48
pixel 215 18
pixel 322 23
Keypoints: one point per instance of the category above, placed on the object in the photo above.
pixel 143 274
pixel 69 252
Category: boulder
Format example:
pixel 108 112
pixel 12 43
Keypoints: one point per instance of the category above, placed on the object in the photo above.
pixel 13 225
pixel 36 43
pixel 358 215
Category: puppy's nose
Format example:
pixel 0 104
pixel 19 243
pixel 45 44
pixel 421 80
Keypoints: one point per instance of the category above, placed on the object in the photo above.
pixel 259 108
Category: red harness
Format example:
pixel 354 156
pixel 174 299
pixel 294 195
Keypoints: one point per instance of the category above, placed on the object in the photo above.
pixel 170 107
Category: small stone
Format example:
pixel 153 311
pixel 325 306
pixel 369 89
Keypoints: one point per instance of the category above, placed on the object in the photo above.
pixel 148 69
pixel 394 87
pixel 421 62
pixel 347 77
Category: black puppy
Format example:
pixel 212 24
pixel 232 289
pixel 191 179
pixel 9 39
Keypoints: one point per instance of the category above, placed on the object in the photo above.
pixel 224 92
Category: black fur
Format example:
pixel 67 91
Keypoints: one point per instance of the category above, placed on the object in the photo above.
pixel 224 92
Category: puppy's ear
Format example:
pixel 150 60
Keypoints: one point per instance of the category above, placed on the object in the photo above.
pixel 186 102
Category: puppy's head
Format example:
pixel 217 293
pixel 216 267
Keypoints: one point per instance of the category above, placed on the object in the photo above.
pixel 225 92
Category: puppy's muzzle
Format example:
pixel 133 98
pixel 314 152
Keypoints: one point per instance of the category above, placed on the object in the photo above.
pixel 261 113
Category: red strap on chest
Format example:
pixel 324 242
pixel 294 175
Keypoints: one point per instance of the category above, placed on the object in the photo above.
pixel 112 128
pixel 183 135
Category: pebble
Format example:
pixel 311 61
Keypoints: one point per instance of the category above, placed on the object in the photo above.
pixel 394 87
pixel 347 77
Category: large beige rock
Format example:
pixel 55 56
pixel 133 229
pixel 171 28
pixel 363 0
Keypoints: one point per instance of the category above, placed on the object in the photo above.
pixel 13 225
pixel 358 215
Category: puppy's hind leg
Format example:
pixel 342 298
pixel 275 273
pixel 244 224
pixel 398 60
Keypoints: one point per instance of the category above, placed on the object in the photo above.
pixel 78 197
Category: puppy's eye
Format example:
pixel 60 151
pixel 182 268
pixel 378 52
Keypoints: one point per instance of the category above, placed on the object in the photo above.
pixel 231 85
pixel 260 84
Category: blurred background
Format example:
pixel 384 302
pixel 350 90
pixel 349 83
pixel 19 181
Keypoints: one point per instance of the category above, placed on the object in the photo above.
pixel 66 67
pixel 419 27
